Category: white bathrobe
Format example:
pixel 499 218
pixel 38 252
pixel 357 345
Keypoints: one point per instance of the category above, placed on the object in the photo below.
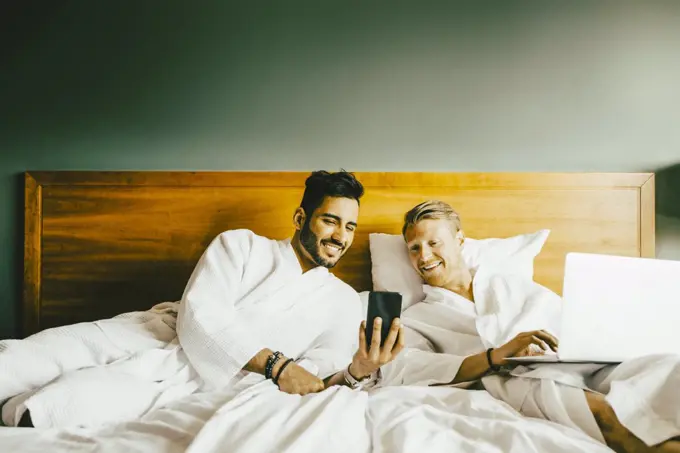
pixel 247 292
pixel 446 327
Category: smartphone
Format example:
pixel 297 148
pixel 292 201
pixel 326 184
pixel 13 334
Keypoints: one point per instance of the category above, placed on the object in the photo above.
pixel 383 304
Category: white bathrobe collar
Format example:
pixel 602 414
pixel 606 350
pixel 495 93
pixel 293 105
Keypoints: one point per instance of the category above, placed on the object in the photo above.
pixel 434 294
pixel 289 254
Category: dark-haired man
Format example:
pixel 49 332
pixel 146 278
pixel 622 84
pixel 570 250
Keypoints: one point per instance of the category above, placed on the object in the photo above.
pixel 254 304
pixel 253 307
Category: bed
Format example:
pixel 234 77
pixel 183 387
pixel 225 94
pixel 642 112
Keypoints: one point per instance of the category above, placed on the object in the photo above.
pixel 98 244
pixel 102 243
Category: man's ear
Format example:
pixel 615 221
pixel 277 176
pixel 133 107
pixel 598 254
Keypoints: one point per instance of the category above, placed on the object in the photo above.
pixel 460 235
pixel 299 218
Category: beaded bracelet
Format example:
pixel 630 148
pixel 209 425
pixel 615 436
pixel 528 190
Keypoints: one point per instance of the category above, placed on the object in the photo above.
pixel 285 364
pixel 271 362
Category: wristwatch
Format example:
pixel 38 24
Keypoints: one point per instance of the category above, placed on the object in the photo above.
pixel 366 382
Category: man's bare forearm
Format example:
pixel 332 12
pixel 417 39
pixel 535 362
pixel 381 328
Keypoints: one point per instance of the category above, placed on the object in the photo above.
pixel 472 368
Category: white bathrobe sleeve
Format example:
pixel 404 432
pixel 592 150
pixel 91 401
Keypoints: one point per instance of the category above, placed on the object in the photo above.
pixel 217 339
pixel 419 364
pixel 416 367
pixel 508 305
pixel 335 347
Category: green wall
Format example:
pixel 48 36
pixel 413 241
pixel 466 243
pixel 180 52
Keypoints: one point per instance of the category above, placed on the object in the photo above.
pixel 515 86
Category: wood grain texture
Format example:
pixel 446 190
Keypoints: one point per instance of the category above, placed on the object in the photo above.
pixel 374 179
pixel 32 254
pixel 120 241
pixel 648 219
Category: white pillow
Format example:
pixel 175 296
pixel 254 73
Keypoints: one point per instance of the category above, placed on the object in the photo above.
pixel 392 271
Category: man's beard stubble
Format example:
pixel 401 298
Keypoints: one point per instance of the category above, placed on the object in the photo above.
pixel 311 243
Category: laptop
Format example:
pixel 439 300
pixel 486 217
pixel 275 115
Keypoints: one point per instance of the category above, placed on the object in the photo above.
pixel 616 308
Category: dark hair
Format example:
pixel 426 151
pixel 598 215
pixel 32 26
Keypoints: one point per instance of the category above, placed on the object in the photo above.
pixel 321 184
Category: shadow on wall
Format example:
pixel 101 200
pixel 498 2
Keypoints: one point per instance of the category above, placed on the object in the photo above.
pixel 667 181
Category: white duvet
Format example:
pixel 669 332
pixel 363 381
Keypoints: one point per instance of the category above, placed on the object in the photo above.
pixel 263 419
pixel 255 416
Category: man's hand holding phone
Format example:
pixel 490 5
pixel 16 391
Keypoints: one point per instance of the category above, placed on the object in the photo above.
pixel 370 358
pixel 381 336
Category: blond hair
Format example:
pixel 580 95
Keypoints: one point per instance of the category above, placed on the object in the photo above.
pixel 432 209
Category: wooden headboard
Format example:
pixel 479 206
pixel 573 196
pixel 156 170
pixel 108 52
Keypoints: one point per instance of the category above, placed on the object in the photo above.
pixel 102 243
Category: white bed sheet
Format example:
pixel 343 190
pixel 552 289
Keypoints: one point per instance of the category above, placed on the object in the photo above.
pixel 256 417
pixel 263 419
